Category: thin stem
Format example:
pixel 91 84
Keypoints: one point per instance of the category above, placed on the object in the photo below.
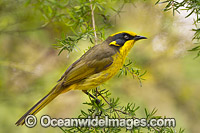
pixel 62 129
pixel 107 102
pixel 25 30
pixel 93 22
pixel 117 110
pixel 134 75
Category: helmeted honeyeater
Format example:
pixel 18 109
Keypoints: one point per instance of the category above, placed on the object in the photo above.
pixel 93 68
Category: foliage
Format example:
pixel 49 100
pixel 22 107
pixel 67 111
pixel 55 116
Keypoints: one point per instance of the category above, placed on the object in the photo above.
pixel 111 108
pixel 78 17
pixel 193 7
pixel 135 72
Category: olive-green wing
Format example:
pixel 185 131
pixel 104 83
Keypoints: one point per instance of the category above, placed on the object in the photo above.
pixel 69 69
pixel 94 61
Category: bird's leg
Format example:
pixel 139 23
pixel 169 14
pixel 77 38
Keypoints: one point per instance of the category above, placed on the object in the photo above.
pixel 102 96
pixel 96 99
pixel 107 102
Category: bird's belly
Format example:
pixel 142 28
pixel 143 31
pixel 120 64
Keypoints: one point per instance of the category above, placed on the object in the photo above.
pixel 99 78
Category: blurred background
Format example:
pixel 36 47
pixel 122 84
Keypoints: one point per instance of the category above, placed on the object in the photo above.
pixel 30 66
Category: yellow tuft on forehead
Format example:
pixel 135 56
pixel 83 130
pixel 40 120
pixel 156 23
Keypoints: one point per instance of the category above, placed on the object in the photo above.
pixel 128 32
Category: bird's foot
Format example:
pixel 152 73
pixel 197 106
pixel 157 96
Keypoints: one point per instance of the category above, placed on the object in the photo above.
pixel 97 101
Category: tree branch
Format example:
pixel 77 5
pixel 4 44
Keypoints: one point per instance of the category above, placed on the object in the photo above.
pixel 134 75
pixel 123 112
pixel 93 22
pixel 25 30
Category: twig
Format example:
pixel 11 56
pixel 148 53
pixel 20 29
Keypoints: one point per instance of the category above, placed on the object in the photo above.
pixel 107 102
pixel 123 112
pixel 25 30
pixel 62 129
pixel 156 129
pixel 93 22
pixel 116 110
pixel 134 75
pixel 173 7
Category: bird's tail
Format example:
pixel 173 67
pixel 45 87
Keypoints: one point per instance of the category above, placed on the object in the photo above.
pixel 41 104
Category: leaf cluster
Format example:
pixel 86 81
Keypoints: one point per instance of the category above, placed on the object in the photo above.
pixel 111 108
pixel 76 18
pixel 134 71
pixel 193 8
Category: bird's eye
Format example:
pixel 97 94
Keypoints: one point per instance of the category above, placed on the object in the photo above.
pixel 126 36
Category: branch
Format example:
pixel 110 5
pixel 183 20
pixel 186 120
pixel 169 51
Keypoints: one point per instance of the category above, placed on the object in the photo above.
pixel 134 75
pixel 93 22
pixel 25 30
pixel 107 102
pixel 123 112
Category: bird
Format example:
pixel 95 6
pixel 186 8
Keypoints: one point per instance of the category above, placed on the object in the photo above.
pixel 97 65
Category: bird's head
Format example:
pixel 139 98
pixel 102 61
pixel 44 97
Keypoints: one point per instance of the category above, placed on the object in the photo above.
pixel 123 40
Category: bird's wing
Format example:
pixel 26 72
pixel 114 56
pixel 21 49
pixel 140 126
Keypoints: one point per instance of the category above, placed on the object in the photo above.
pixel 93 61
pixel 69 69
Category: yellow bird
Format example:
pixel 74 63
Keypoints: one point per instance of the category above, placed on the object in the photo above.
pixel 93 68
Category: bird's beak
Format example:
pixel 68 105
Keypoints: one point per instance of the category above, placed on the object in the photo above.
pixel 139 37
